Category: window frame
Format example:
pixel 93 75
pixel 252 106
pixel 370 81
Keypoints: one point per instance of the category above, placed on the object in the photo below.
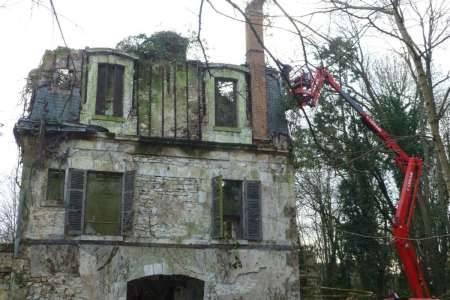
pixel 240 232
pixel 217 215
pixel 85 200
pixel 102 86
pixel 49 202
pixel 126 202
pixel 235 126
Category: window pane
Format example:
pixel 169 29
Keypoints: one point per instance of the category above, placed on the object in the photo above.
pixel 103 202
pixel 55 187
pixel 225 103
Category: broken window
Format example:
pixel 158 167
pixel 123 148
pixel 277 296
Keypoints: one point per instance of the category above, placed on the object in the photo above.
pixel 236 209
pixel 100 203
pixel 55 187
pixel 225 102
pixel 109 99
pixel 63 78
pixel 232 208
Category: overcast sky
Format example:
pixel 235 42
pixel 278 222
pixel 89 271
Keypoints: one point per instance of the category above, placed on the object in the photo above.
pixel 28 28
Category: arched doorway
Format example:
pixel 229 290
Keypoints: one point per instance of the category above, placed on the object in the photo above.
pixel 165 287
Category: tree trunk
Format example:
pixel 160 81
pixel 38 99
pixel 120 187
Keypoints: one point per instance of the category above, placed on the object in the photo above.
pixel 427 94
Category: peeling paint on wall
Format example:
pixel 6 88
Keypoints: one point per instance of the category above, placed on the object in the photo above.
pixel 168 140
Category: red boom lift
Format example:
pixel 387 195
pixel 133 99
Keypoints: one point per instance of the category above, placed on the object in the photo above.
pixel 306 91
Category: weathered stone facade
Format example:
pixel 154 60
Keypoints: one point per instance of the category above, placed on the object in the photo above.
pixel 128 177
pixel 6 261
pixel 171 226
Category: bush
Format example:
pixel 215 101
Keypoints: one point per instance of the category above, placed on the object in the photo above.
pixel 162 45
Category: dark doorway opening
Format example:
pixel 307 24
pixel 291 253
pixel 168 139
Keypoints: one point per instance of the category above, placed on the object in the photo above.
pixel 165 287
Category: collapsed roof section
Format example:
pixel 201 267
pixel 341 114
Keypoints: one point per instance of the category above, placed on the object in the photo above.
pixel 104 89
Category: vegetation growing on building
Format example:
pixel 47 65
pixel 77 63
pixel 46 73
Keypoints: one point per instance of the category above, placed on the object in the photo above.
pixel 162 45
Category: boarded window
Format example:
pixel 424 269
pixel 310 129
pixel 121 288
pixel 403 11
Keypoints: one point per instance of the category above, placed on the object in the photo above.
pixel 236 209
pixel 225 102
pixel 55 187
pixel 99 203
pixel 103 203
pixel 110 82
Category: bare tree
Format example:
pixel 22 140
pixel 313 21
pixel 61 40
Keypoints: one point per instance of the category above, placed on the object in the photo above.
pixel 9 200
pixel 420 28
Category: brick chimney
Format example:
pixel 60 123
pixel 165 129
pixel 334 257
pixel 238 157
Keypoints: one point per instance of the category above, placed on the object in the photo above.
pixel 257 66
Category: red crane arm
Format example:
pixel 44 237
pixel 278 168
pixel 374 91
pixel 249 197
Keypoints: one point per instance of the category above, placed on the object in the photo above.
pixel 307 92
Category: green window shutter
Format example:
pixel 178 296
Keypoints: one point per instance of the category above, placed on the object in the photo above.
pixel 217 208
pixel 127 202
pixel 75 198
pixel 253 220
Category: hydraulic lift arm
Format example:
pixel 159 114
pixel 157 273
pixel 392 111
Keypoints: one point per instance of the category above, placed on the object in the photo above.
pixel 307 91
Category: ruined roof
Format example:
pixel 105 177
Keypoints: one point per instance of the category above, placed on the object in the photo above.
pixel 111 51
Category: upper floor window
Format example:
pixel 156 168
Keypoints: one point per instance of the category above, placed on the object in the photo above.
pixel 236 209
pixel 225 102
pixel 109 101
pixel 99 203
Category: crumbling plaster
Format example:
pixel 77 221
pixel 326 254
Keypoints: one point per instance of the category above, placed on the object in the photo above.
pixel 242 133
pixel 6 263
pixel 171 183
pixel 102 272
pixel 171 225
pixel 128 123
pixel 176 150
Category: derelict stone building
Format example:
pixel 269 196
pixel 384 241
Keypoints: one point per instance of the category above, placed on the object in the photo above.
pixel 147 179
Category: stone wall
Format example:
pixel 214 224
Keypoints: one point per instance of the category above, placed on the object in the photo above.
pixel 164 198
pixel 171 227
pixel 6 262
pixel 169 138
pixel 102 272
pixel 172 189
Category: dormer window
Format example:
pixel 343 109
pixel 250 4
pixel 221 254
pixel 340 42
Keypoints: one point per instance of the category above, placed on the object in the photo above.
pixel 110 84
pixel 225 103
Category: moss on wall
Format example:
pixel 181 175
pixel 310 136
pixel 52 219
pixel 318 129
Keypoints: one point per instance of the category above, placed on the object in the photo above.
pixel 242 133
pixel 163 97
pixel 125 125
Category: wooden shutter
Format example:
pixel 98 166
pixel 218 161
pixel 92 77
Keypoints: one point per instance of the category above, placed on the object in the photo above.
pixel 75 199
pixel 127 202
pixel 253 222
pixel 102 86
pixel 217 208
pixel 118 91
